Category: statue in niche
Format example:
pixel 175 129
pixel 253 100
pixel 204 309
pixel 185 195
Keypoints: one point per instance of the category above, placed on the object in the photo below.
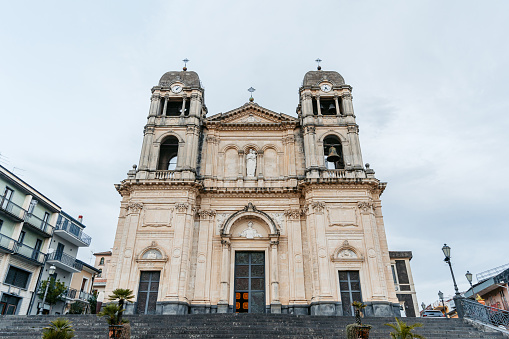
pixel 251 163
pixel 250 232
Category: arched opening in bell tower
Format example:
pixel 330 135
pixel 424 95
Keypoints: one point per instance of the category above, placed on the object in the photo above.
pixel 333 152
pixel 168 154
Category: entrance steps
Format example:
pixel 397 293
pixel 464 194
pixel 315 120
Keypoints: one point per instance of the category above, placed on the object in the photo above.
pixel 236 326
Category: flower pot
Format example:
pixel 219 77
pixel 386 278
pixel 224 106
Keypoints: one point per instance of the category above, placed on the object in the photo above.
pixel 363 332
pixel 115 331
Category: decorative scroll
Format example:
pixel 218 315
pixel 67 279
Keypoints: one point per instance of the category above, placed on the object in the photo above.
pixel 181 207
pixel 135 207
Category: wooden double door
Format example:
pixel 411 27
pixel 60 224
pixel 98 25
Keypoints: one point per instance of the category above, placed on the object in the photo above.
pixel 250 282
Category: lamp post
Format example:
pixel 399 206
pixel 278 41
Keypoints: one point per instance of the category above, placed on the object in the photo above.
pixel 447 252
pixel 51 271
pixel 441 296
pixel 468 275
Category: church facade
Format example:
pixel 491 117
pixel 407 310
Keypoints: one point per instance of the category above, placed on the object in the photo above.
pixel 252 210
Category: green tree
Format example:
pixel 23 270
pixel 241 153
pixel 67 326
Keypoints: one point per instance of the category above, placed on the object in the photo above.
pixel 122 295
pixel 58 329
pixel 404 331
pixel 56 290
pixel 93 302
pixel 78 307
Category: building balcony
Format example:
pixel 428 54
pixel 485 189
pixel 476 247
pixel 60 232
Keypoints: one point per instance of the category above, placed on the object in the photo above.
pixel 167 175
pixel 72 233
pixel 12 210
pixel 64 261
pixel 38 225
pixel 29 254
pixel 73 294
pixel 7 244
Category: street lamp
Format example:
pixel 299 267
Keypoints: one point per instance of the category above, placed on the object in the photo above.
pixel 468 275
pixel 423 305
pixel 447 252
pixel 51 271
pixel 441 296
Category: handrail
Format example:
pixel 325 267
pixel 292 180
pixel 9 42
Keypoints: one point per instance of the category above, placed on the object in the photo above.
pixel 73 230
pixel 11 208
pixel 162 174
pixel 37 222
pixel 334 173
pixel 66 260
pixel 485 314
pixel 73 293
pixel 7 243
pixel 29 252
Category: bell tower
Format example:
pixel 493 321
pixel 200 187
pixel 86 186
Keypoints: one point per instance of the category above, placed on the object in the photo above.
pixel 330 133
pixel 171 135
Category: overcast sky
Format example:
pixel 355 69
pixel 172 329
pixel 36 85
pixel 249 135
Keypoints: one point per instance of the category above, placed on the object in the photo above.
pixel 429 84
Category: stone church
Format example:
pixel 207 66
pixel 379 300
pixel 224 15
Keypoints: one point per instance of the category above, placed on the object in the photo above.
pixel 252 210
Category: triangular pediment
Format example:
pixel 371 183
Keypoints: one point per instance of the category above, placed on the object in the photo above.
pixel 251 113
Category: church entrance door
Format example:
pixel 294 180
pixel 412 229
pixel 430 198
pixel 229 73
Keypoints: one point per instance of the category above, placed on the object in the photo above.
pixel 147 292
pixel 249 282
pixel 350 288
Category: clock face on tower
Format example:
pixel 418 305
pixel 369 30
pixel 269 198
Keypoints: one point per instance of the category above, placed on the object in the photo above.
pixel 176 88
pixel 326 87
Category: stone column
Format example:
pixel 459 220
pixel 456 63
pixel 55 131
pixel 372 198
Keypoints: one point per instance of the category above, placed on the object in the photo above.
pixel 336 101
pixel 307 105
pixel 204 241
pixel 210 155
pixel 148 139
pixel 183 109
pixel 163 113
pixel 259 164
pixel 182 211
pixel 353 138
pixel 296 259
pixel 222 305
pixel 318 108
pixel 346 100
pixel 275 304
pixel 291 155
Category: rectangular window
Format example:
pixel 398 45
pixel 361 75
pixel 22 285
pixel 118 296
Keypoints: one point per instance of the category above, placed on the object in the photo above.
pixel 8 194
pixel 394 275
pixel 17 277
pixel 6 205
pixel 1 223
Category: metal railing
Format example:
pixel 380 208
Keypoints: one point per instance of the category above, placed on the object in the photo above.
pixel 29 252
pixel 74 294
pixel 7 243
pixel 491 273
pixel 38 223
pixel 74 230
pixel 485 314
pixel 11 208
pixel 66 260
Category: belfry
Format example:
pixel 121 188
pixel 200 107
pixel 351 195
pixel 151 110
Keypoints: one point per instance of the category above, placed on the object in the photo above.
pixel 255 211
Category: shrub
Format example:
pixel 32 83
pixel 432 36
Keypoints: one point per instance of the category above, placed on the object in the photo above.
pixel 59 329
pixel 404 331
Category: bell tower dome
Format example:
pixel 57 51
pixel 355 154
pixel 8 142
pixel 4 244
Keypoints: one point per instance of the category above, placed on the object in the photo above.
pixel 171 135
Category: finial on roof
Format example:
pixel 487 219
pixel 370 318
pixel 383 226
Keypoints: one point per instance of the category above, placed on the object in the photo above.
pixel 251 90
pixel 318 62
pixel 186 60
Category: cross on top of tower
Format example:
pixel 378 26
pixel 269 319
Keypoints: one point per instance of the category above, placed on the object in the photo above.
pixel 186 60
pixel 251 90
pixel 318 62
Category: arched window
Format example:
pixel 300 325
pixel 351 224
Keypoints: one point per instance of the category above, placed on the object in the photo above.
pixel 168 154
pixel 332 146
pixel 102 261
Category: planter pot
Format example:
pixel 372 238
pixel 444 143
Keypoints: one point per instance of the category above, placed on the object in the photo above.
pixel 120 331
pixel 363 332
pixel 355 331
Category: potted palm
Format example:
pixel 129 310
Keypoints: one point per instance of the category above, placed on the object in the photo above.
pixel 118 327
pixel 358 330
pixel 58 329
pixel 404 331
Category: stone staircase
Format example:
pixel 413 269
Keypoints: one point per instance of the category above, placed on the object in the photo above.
pixel 236 326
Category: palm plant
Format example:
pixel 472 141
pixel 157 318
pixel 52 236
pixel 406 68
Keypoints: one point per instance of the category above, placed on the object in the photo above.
pixel 110 312
pixel 59 329
pixel 404 331
pixel 122 295
pixel 359 306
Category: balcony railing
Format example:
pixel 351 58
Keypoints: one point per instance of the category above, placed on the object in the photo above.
pixel 38 223
pixel 29 253
pixel 6 243
pixel 12 209
pixel 165 175
pixel 334 173
pixel 74 230
pixel 485 314
pixel 66 260
pixel 74 294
